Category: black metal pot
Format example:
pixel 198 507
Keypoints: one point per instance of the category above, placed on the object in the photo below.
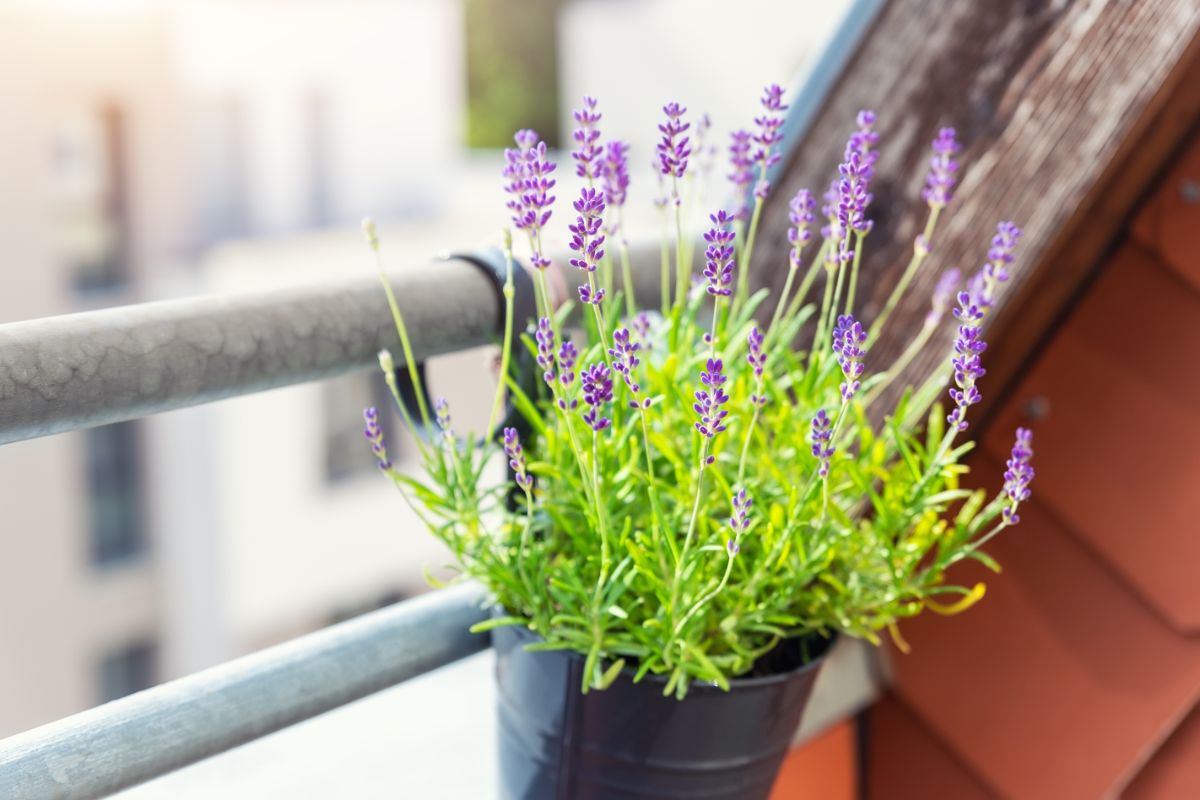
pixel 628 741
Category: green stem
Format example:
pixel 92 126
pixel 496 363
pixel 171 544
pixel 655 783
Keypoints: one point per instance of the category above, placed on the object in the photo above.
pixel 898 367
pixel 506 348
pixel 398 320
pixel 919 254
pixel 743 268
pixel 627 280
pixel 858 248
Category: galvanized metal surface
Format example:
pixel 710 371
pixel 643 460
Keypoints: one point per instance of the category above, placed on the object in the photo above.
pixel 126 742
pixel 98 367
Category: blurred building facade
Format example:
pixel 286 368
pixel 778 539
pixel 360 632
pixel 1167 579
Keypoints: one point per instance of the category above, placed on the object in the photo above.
pixel 153 150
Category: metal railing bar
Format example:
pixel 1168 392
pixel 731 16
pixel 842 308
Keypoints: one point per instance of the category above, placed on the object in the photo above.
pixel 97 367
pixel 129 741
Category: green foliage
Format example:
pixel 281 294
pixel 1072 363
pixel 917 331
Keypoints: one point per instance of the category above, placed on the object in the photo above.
pixel 623 551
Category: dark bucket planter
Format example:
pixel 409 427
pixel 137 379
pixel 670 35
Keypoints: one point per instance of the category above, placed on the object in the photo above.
pixel 628 741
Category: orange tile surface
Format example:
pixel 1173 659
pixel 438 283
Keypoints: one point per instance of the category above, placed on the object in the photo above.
pixel 1118 456
pixel 905 761
pixel 822 769
pixel 1060 682
pixel 1169 224
pixel 1174 771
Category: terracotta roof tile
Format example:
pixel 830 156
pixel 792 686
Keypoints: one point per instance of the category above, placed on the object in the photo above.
pixel 905 761
pixel 1060 681
pixel 1169 224
pixel 1118 456
pixel 824 768
pixel 1174 771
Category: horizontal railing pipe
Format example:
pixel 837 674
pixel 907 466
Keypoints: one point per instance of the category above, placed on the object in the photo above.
pixel 97 367
pixel 128 741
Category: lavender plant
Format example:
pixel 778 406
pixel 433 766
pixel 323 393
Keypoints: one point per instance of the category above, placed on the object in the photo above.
pixel 692 488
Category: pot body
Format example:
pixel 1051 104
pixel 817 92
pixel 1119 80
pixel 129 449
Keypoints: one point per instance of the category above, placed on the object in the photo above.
pixel 628 741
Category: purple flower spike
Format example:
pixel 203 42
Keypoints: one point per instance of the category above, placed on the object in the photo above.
pixel 757 359
pixel 641 326
pixel 802 213
pixel 1000 255
pixel 516 458
pixel 614 173
pixel 853 195
pixel 946 287
pixel 587 136
pixel 709 401
pixel 586 239
pixel 968 346
pixel 528 171
pixel 742 166
pixel 544 335
pixel 822 445
pixel 374 435
pixel 673 150
pixel 441 409
pixel 768 136
pixel 567 354
pixel 597 390
pixel 588 297
pixel 1018 475
pixel 718 269
pixel 625 361
pixel 940 181
pixel 849 343
pixel 740 520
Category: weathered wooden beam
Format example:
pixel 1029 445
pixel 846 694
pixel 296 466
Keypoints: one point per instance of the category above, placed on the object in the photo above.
pixel 1067 111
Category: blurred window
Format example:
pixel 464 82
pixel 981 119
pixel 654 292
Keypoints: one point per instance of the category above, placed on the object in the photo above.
pixel 131 668
pixel 219 137
pixel 113 478
pixel 89 165
pixel 512 70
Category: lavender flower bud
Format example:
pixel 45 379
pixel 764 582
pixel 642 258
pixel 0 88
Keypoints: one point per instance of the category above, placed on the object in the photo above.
pixel 849 343
pixel 516 458
pixel 625 360
pixel 1018 475
pixel 757 359
pixel 709 401
pixel 801 214
pixel 732 547
pixel 1000 255
pixel 527 171
pixel 544 336
pixel 740 520
pixel 597 390
pixel 374 435
pixel 742 166
pixel 641 326
pixel 768 136
pixel 822 445
pixel 586 239
pixel 441 409
pixel 614 173
pixel 968 346
pixel 673 150
pixel 856 170
pixel 586 136
pixel 567 355
pixel 946 287
pixel 386 363
pixel 942 166
pixel 718 267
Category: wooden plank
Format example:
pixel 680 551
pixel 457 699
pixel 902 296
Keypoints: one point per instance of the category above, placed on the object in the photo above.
pixel 1067 110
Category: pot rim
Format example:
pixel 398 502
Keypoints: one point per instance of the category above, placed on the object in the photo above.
pixel 697 685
